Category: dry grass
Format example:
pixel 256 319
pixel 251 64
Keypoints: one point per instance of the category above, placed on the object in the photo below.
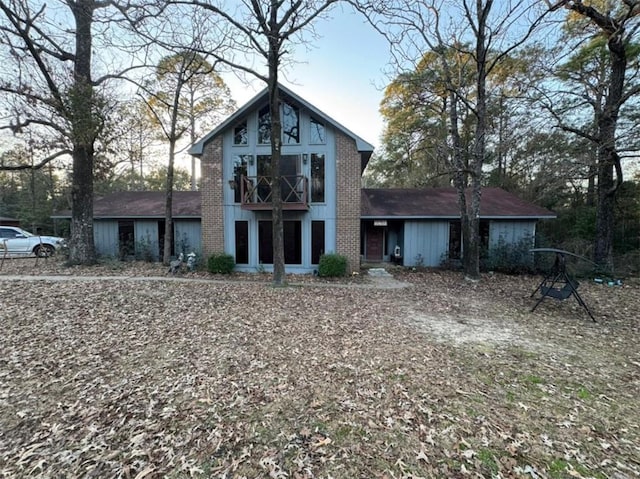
pixel 232 379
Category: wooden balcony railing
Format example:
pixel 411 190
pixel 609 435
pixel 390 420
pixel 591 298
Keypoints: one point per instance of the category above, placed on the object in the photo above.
pixel 256 192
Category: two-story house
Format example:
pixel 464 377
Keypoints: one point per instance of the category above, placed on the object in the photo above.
pixel 325 208
pixel 320 171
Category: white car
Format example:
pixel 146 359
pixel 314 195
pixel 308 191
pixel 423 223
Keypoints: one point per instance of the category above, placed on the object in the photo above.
pixel 21 242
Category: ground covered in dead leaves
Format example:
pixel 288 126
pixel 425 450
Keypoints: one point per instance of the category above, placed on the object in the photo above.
pixel 116 377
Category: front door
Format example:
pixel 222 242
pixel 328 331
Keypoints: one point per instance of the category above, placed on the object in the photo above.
pixel 375 243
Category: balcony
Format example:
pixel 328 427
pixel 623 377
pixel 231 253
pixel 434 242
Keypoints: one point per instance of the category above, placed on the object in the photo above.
pixel 256 193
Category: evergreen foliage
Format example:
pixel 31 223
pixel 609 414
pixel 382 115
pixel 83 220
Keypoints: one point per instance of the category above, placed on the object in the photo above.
pixel 509 258
pixel 332 265
pixel 220 263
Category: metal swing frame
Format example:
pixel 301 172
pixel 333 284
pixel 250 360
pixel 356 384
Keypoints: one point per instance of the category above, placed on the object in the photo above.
pixel 558 284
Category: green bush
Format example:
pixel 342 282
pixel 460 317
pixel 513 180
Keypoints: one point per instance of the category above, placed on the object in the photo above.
pixel 509 258
pixel 144 251
pixel 332 265
pixel 220 263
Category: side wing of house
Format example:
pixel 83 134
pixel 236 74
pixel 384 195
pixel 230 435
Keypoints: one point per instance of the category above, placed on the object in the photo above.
pixel 421 227
pixel 319 178
pixel 142 238
pixel 433 242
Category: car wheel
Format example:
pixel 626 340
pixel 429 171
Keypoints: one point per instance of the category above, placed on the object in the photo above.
pixel 44 251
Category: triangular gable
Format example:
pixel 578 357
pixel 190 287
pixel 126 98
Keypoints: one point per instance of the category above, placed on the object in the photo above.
pixel 198 147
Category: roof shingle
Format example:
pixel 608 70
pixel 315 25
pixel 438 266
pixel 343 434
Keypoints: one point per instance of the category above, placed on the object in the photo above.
pixel 143 204
pixel 443 203
pixel 376 203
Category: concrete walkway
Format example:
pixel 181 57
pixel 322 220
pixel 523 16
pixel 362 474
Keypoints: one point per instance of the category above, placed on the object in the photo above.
pixel 385 280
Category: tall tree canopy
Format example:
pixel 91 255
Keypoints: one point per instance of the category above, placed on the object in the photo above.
pixel 177 101
pixel 203 98
pixel 601 75
pixel 415 107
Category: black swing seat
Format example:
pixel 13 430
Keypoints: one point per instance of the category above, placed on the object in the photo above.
pixel 560 293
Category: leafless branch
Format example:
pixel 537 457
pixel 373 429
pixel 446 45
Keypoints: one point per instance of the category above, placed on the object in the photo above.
pixel 37 166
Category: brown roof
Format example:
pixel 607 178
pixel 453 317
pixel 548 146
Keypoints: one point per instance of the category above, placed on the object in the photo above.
pixel 443 202
pixel 143 204
pixel 376 203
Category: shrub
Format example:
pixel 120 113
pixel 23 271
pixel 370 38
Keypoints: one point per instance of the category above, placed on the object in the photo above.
pixel 220 263
pixel 332 265
pixel 144 251
pixel 509 258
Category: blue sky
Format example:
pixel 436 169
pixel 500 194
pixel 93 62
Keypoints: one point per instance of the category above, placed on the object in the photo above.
pixel 342 74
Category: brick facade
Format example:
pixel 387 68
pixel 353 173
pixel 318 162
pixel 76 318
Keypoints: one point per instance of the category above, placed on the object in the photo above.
pixel 348 200
pixel 212 211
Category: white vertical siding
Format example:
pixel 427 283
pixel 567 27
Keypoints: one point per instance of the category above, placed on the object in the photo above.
pixel 427 239
pixel 510 232
pixel 105 236
pixel 188 236
pixel 146 238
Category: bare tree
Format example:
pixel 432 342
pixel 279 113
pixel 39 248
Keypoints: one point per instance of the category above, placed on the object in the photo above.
pixel 264 29
pixel 135 136
pixel 483 33
pixel 48 86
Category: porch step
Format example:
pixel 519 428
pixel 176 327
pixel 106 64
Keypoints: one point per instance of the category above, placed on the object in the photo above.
pixel 379 272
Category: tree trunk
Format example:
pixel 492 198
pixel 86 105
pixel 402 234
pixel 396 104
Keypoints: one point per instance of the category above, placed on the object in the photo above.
pixel 472 248
pixel 460 178
pixel 608 159
pixel 605 218
pixel 276 152
pixel 168 210
pixel 591 185
pixel 192 137
pixel 609 168
pixel 81 245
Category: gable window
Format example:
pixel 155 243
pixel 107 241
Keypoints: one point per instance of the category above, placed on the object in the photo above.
pixel 317 178
pixel 290 124
pixel 290 118
pixel 240 135
pixel 317 135
pixel 264 126
pixel 290 180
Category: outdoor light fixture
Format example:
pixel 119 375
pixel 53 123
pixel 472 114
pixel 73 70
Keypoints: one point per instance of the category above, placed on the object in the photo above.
pixel 232 184
pixel 305 158
pixel 250 158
